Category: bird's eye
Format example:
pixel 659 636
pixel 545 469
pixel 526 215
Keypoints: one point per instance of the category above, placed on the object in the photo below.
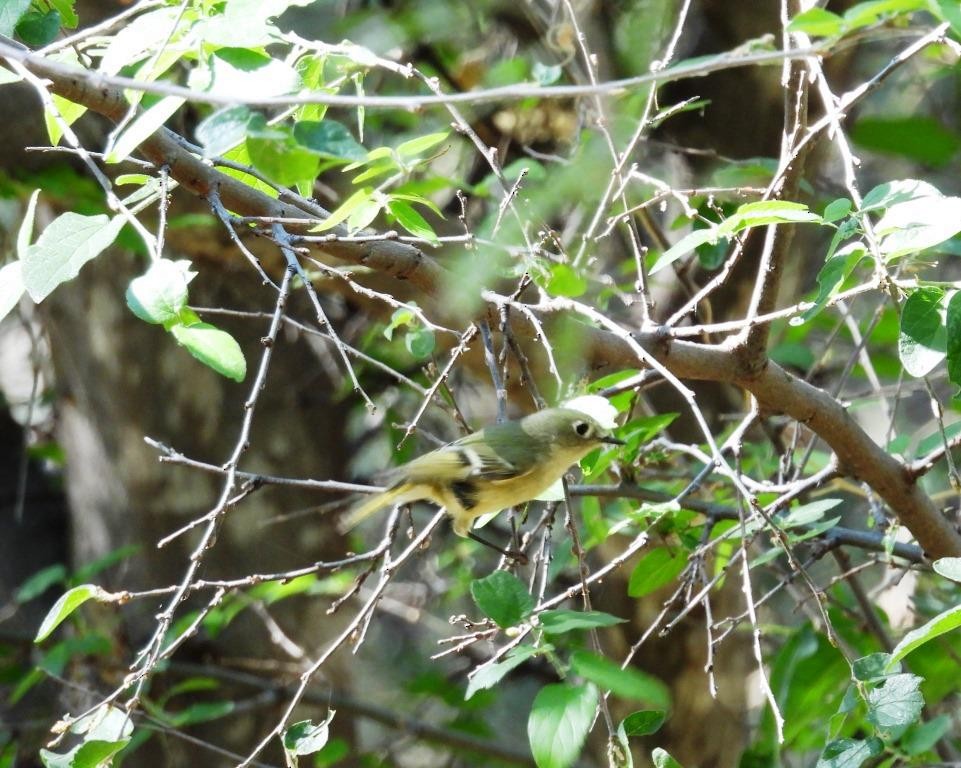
pixel 582 428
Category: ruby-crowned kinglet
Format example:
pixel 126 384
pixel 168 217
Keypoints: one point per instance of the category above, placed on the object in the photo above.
pixel 500 466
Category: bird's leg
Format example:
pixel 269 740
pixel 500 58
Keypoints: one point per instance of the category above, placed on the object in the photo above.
pixel 513 554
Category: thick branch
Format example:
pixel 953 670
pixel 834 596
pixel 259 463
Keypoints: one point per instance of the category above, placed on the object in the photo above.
pixel 165 149
pixel 778 391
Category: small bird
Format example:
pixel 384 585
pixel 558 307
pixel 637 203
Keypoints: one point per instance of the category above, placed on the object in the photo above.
pixel 497 467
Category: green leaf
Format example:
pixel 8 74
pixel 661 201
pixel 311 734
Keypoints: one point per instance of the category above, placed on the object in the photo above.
pixel 11 287
pixel 68 242
pixel 919 138
pixel 684 246
pixel 864 14
pixel 274 152
pixel 306 738
pixel 657 568
pixel 503 598
pixel 849 753
pixel 69 113
pixel 923 340
pixel 831 278
pixel 67 12
pixel 87 571
pixel 106 722
pixel 329 138
pixel 240 71
pixel 559 621
pixel 160 294
pixel 949 567
pixel 546 75
pixel 564 280
pixel 806 514
pixel 420 343
pixel 949 11
pixel 629 682
pixel 935 439
pixel 643 723
pixel 558 724
pixel 662 759
pixel 40 582
pixel 381 168
pixel 408 217
pixel 419 199
pixel 920 738
pixel 939 625
pixel 401 316
pixel 224 129
pixel 90 754
pixel 895 702
pixel 874 666
pixel 414 147
pixel 10 13
pixel 766 212
pixel 25 232
pixel 362 216
pixel 345 209
pixel 489 675
pixel 917 225
pixel 144 125
pixel 37 29
pixel 953 325
pixel 201 712
pixel 899 191
pixel 67 604
pixel 817 22
pixel 214 348
pixel 837 209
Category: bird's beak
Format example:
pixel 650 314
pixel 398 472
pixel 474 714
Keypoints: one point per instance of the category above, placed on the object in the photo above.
pixel 611 440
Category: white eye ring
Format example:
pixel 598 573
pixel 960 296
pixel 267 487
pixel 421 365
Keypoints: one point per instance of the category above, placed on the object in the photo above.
pixel 582 428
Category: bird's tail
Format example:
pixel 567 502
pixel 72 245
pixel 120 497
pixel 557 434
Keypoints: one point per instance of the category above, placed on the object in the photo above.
pixel 399 494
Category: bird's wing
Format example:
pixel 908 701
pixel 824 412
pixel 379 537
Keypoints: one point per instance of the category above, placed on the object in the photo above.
pixel 465 459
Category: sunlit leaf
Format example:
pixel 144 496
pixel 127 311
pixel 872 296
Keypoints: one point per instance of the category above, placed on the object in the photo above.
pixel 10 13
pixel 917 225
pixel 949 567
pixel 421 144
pixel 408 217
pixel 817 22
pixel 213 347
pixel 306 738
pixel 923 341
pixel 11 287
pixel 895 702
pixel 67 604
pixel 849 753
pixel 159 295
pixel 143 126
pixel 68 242
pixel 224 129
pixel 559 722
pixel 945 621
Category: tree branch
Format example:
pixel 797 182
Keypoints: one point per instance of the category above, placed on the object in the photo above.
pixel 778 391
pixel 165 148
